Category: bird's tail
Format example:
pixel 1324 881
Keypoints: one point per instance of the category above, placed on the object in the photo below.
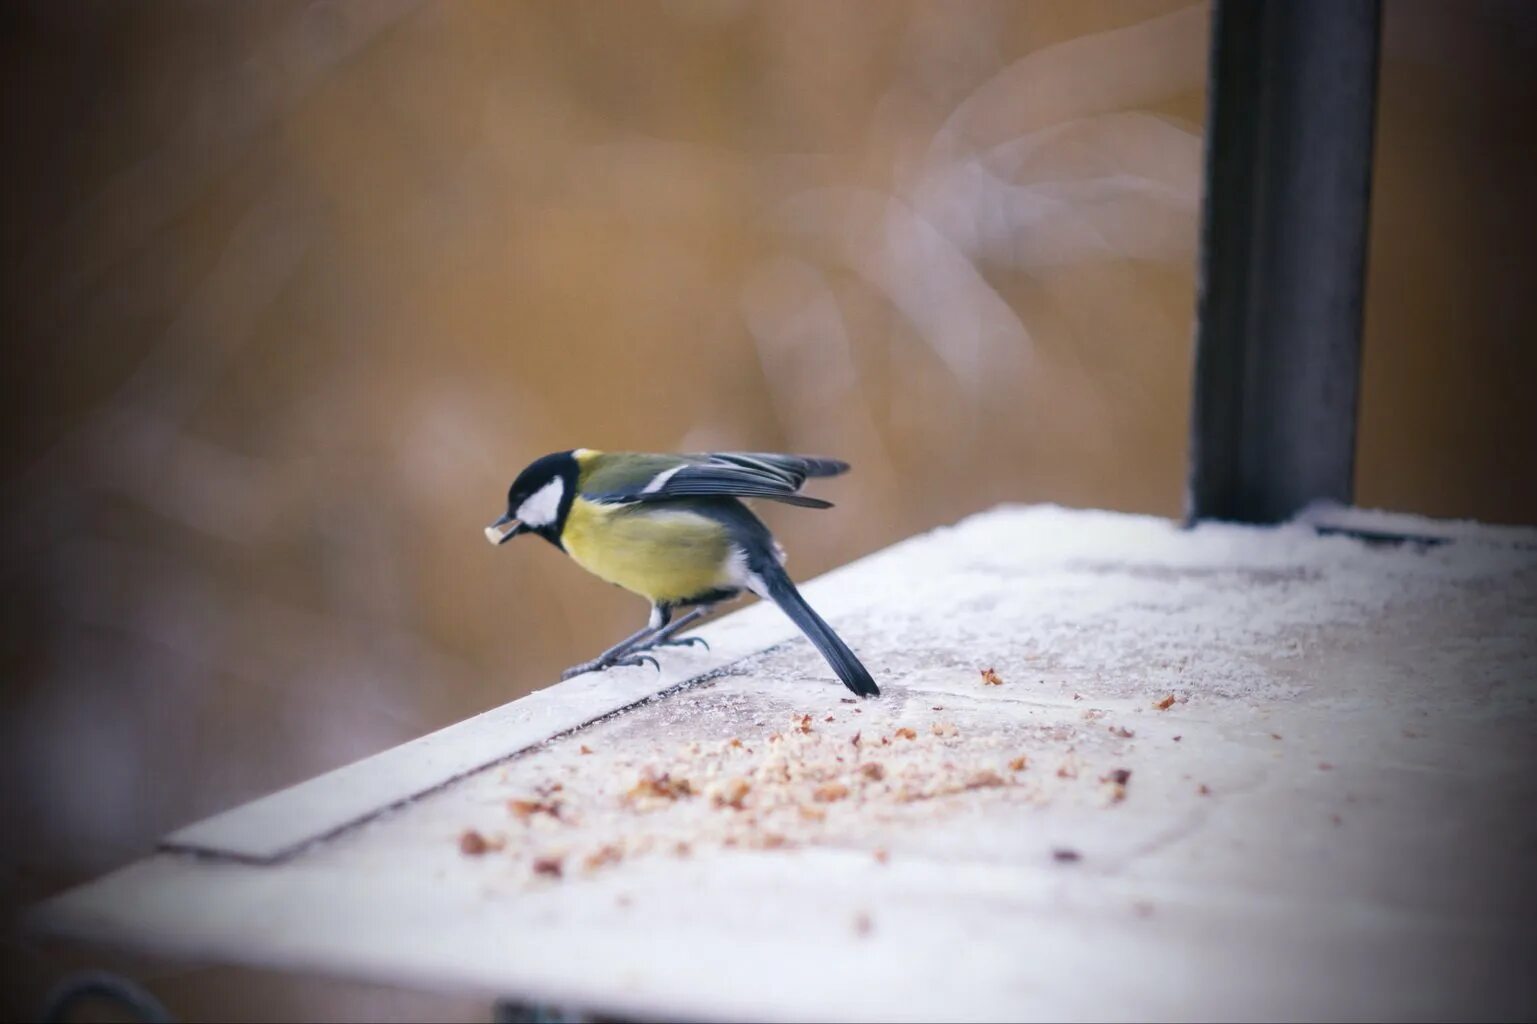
pixel 783 593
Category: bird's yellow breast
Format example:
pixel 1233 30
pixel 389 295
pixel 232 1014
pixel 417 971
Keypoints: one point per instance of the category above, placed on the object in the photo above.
pixel 663 554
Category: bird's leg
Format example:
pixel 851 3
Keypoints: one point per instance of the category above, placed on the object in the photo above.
pixel 663 637
pixel 621 653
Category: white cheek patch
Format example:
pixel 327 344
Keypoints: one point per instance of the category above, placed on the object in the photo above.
pixel 543 505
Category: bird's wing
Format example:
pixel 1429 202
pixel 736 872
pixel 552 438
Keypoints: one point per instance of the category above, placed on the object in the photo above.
pixel 650 478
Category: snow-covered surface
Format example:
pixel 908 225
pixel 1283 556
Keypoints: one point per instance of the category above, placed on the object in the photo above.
pixel 1334 817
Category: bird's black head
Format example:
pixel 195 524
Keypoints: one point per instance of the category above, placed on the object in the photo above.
pixel 539 500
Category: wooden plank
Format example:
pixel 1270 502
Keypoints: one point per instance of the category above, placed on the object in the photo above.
pixel 1200 789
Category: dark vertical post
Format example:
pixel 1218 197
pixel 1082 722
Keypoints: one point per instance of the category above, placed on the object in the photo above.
pixel 1292 92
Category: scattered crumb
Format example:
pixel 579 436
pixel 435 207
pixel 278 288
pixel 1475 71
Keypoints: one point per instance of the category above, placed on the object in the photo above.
pixel 1203 789
pixel 658 787
pixel 553 867
pixel 937 707
pixel 682 849
pixel 525 809
pixel 1068 769
pixel 735 744
pixel 829 718
pixel 862 923
pixel 873 771
pixel 802 723
pixel 847 700
pixel 473 844
pixel 855 740
pixel 829 792
pixel 1065 855
pixel 1325 766
pixel 732 794
pixel 1019 763
pixel 585 749
pixel 882 857
pixel 603 855
pixel 985 779
pixel 813 813
pixel 1121 731
pixel 1076 696
pixel 906 733
pixel 1115 784
pixel 772 841
pixel 1164 703
pixel 1275 735
pixel 1178 738
pixel 945 729
pixel 991 678
pixel 1090 714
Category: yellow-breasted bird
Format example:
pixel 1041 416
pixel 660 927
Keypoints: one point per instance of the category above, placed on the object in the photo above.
pixel 673 529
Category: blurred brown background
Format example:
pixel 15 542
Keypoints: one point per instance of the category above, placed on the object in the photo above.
pixel 292 290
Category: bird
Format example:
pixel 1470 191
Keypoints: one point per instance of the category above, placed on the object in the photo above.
pixel 674 530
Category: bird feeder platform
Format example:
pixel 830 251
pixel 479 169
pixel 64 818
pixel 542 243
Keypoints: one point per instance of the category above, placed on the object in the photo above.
pixel 1119 770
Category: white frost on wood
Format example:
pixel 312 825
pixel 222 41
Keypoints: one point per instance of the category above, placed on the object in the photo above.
pixel 1331 820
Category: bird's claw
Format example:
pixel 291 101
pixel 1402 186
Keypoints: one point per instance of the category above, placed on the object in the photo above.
pixel 600 664
pixel 685 641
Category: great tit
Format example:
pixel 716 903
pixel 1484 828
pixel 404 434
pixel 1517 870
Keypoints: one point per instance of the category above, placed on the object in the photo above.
pixel 673 529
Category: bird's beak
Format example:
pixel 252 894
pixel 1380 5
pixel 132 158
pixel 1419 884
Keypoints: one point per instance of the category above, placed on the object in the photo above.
pixel 494 532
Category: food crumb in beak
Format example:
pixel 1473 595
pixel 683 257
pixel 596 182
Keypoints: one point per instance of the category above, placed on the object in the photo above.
pixel 493 535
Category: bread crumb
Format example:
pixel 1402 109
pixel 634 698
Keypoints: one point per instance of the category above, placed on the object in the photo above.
pixel 802 723
pixel 991 678
pixel 862 924
pixel 985 779
pixel 829 792
pixel 1203 789
pixel 1115 784
pixel 552 867
pixel 658 787
pixel 606 854
pixel 732 794
pixel 873 771
pixel 473 844
pixel 1121 731
pixel 1065 855
pixel 1165 703
pixel 1019 763
pixel 945 729
pixel 525 809
pixel 881 856
pixel 585 749
pixel 906 733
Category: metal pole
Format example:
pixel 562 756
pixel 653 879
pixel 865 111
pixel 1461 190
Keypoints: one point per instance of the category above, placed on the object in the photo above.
pixel 1292 96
